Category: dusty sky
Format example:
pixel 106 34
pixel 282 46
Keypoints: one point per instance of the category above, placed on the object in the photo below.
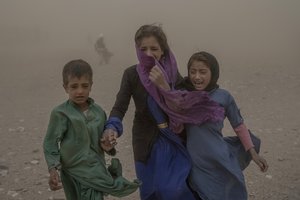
pixel 238 32
pixel 256 42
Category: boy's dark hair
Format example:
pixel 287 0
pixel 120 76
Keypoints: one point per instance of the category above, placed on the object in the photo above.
pixel 77 68
pixel 155 31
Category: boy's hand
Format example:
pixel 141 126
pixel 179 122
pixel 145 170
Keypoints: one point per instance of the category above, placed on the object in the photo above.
pixel 54 181
pixel 109 139
pixel 260 161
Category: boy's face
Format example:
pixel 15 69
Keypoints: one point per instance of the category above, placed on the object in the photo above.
pixel 79 90
pixel 200 75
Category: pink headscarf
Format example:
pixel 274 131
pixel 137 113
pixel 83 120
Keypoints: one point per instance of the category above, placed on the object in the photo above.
pixel 181 106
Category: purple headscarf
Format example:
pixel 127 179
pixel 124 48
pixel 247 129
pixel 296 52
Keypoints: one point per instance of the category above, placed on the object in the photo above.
pixel 181 106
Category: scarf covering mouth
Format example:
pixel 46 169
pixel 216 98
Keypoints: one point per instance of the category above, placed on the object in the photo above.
pixel 181 106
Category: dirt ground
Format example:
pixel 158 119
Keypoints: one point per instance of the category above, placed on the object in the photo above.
pixel 262 75
pixel 267 97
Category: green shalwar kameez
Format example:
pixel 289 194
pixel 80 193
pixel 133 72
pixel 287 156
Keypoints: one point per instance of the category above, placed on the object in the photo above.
pixel 71 144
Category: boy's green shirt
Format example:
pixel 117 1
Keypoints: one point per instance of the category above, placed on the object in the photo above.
pixel 72 144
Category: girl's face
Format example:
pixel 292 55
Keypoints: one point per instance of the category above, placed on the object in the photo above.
pixel 150 46
pixel 79 90
pixel 200 75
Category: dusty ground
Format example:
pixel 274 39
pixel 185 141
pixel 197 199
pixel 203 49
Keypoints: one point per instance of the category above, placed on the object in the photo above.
pixel 260 68
pixel 267 97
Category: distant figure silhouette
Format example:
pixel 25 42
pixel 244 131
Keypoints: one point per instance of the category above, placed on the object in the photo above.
pixel 104 54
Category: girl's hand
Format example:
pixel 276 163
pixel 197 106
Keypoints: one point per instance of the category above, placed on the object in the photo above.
pixel 260 161
pixel 54 181
pixel 156 76
pixel 109 139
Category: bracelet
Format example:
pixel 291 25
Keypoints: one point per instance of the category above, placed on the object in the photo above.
pixel 162 125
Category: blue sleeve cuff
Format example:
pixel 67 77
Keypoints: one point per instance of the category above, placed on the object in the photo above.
pixel 116 124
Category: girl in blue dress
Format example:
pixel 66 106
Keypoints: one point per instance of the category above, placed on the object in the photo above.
pixel 217 162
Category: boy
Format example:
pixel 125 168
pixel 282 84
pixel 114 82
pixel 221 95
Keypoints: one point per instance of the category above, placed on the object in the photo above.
pixel 71 143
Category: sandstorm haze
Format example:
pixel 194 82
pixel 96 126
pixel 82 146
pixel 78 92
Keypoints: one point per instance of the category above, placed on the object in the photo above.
pixel 237 32
pixel 40 36
pixel 256 42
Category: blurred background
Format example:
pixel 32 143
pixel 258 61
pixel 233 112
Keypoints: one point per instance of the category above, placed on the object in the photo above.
pixel 256 42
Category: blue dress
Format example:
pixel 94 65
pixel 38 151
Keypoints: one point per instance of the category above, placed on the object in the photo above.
pixel 217 161
pixel 164 176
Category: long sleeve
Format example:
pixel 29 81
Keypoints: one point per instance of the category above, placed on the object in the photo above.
pixel 123 97
pixel 243 134
pixel 56 128
pixel 116 124
pixel 237 122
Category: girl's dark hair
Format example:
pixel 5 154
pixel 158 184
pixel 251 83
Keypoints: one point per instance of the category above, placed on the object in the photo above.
pixel 155 31
pixel 76 68
pixel 211 62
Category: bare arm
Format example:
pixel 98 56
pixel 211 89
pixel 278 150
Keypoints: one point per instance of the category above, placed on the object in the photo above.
pixel 260 161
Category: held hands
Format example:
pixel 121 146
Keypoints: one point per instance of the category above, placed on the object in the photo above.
pixel 54 181
pixel 156 76
pixel 260 161
pixel 109 139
